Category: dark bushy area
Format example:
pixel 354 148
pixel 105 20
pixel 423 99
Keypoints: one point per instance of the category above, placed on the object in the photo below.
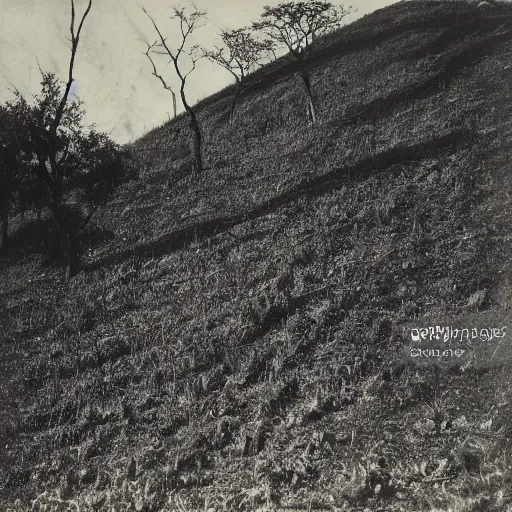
pixel 235 341
pixel 51 162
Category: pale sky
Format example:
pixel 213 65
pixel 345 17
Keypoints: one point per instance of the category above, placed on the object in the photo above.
pixel 113 76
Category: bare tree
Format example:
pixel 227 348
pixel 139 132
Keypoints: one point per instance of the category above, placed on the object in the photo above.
pixel 160 77
pixel 75 39
pixel 296 25
pixel 241 53
pixel 188 24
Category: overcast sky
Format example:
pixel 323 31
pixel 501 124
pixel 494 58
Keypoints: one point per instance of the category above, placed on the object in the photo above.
pixel 113 76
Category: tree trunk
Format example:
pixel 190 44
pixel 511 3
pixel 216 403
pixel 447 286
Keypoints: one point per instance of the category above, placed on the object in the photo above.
pixel 196 142
pixel 311 107
pixel 174 108
pixel 235 100
pixel 4 220
pixel 73 255
pixel 309 93
pixel 69 233
pixel 196 131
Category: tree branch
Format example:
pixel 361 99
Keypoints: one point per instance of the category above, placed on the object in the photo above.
pixel 160 77
pixel 74 47
pixel 163 43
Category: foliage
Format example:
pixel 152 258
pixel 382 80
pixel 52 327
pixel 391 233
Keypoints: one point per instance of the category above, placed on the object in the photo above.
pixel 10 138
pixel 73 171
pixel 52 156
pixel 241 52
pixel 101 168
pixel 74 155
pixel 297 25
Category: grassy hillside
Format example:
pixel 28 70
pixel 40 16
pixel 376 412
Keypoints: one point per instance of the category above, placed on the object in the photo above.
pixel 236 341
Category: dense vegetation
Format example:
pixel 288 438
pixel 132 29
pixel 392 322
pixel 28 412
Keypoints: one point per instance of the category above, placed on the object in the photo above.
pixel 234 340
pixel 71 172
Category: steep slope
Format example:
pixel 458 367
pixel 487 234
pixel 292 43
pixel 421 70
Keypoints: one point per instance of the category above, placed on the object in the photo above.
pixel 236 340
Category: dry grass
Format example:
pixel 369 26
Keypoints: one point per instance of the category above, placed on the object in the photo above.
pixel 235 342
